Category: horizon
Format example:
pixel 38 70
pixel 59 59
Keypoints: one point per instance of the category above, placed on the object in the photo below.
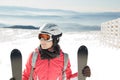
pixel 7 7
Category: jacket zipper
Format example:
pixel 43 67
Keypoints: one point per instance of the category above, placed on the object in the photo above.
pixel 48 68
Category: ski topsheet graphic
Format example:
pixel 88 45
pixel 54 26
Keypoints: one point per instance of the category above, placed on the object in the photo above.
pixel 16 64
pixel 82 61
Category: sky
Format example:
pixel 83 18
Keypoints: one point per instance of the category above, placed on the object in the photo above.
pixel 75 5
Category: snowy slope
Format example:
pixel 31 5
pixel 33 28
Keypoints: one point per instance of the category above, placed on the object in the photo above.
pixel 102 59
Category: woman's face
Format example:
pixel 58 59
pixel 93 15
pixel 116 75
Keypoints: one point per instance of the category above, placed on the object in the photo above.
pixel 46 44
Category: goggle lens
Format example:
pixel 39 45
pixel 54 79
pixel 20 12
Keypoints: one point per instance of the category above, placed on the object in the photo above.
pixel 45 37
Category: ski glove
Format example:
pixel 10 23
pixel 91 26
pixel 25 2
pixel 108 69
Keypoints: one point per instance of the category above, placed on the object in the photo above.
pixel 12 78
pixel 86 71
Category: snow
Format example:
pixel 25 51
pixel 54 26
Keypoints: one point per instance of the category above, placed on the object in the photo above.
pixel 103 60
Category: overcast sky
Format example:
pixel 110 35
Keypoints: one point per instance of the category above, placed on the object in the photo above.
pixel 75 5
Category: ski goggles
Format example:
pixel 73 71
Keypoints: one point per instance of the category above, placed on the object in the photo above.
pixel 46 37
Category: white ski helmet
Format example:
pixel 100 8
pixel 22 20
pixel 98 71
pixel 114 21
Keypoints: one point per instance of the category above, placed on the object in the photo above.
pixel 52 29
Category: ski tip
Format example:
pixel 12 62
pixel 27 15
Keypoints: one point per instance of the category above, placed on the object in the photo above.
pixel 15 52
pixel 83 47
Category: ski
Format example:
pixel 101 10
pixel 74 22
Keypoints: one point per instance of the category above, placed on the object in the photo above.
pixel 16 64
pixel 82 56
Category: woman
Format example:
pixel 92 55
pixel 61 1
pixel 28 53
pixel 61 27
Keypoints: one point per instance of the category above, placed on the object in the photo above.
pixel 50 60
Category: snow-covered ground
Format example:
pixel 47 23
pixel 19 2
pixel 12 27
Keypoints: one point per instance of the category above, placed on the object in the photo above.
pixel 103 60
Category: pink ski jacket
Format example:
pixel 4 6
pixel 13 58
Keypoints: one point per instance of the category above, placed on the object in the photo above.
pixel 48 69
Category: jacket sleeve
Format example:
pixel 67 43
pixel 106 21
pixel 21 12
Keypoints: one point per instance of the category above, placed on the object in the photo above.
pixel 26 72
pixel 69 72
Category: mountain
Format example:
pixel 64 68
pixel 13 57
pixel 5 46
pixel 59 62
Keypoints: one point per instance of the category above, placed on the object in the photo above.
pixel 12 9
pixel 22 27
